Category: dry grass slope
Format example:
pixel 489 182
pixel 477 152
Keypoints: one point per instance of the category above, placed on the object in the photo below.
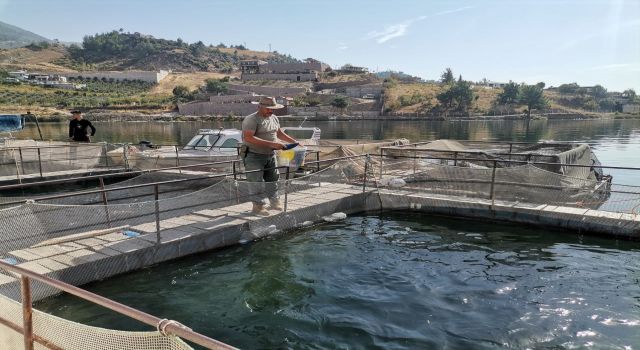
pixel 190 80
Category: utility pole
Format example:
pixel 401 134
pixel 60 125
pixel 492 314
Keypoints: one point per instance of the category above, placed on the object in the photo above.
pixel 269 47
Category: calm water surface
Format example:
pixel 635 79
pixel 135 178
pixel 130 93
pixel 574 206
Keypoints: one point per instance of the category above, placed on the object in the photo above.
pixel 394 281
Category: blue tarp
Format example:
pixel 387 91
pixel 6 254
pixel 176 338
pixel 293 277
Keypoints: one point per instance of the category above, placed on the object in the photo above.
pixel 11 122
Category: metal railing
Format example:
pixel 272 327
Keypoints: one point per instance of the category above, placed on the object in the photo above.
pixel 492 183
pixel 156 193
pixel 125 158
pixel 166 327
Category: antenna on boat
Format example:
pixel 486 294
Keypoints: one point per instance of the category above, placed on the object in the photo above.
pixel 304 120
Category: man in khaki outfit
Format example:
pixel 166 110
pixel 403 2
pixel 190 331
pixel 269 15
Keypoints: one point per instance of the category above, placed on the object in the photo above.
pixel 261 134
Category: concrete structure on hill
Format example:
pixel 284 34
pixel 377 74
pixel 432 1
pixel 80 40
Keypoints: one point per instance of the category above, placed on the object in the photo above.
pixel 146 76
pixel 260 70
pixel 631 108
pixel 349 69
pixel 237 105
pixel 265 90
pixel 492 84
pixel 363 91
pixel 52 80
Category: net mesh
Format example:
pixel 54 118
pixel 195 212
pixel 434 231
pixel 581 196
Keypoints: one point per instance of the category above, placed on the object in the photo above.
pixel 533 183
pixel 20 162
pixel 70 335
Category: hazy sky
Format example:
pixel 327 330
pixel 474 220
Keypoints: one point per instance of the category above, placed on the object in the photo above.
pixel 556 41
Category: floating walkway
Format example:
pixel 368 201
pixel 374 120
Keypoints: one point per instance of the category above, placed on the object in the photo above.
pixel 95 255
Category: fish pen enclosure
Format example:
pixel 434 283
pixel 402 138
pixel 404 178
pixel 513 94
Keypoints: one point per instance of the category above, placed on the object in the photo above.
pixel 76 238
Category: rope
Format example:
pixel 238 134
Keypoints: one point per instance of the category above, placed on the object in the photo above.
pixel 165 322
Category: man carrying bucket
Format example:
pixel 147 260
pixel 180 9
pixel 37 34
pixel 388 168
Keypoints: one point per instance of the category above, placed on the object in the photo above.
pixel 261 134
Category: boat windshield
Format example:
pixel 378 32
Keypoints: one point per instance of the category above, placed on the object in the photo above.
pixel 202 142
pixel 300 134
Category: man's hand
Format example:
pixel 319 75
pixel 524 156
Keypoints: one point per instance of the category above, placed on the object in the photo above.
pixel 277 146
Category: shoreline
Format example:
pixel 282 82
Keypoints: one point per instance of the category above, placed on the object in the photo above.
pixel 149 116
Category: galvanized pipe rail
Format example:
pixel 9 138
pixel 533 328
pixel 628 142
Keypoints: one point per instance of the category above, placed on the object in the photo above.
pixel 165 326
pixel 129 172
pixel 517 161
pixel 80 193
pixel 105 176
pixel 501 142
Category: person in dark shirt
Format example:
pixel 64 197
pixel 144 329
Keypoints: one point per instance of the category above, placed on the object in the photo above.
pixel 78 128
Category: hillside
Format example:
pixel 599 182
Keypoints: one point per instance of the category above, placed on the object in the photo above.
pixel 12 36
pixel 33 59
pixel 120 51
pixel 132 51
pixel 421 97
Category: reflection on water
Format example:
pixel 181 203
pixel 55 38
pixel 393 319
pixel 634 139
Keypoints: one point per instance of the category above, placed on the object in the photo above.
pixel 622 131
pixel 395 281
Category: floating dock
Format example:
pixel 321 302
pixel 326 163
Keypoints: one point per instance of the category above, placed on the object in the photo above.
pixel 95 255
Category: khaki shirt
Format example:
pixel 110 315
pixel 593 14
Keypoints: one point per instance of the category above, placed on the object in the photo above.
pixel 264 128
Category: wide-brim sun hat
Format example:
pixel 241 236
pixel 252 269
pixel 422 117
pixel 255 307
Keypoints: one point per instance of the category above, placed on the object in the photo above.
pixel 269 102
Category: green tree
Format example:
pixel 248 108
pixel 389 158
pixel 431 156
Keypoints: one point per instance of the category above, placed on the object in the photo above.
pixel 533 97
pixel 447 76
pixel 598 92
pixel 216 86
pixel 568 88
pixel 458 96
pixel 509 94
pixel 630 94
pixel 611 105
pixel 590 105
pixel 181 93
pixel 340 102
pixel 462 95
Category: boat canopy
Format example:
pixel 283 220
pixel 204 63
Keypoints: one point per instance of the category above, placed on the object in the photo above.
pixel 206 139
pixel 11 122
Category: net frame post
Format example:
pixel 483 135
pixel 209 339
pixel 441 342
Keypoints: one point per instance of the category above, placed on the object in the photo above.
pixel 286 189
pixel 177 158
pixel 156 195
pixel 21 160
pixel 233 167
pixel 125 155
pixel 105 200
pixel 366 170
pixel 381 161
pixel 492 194
pixel 415 156
pixel 39 162
pixel 105 147
pixel 27 312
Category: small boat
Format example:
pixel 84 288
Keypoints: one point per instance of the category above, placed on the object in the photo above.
pixel 11 122
pixel 207 146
